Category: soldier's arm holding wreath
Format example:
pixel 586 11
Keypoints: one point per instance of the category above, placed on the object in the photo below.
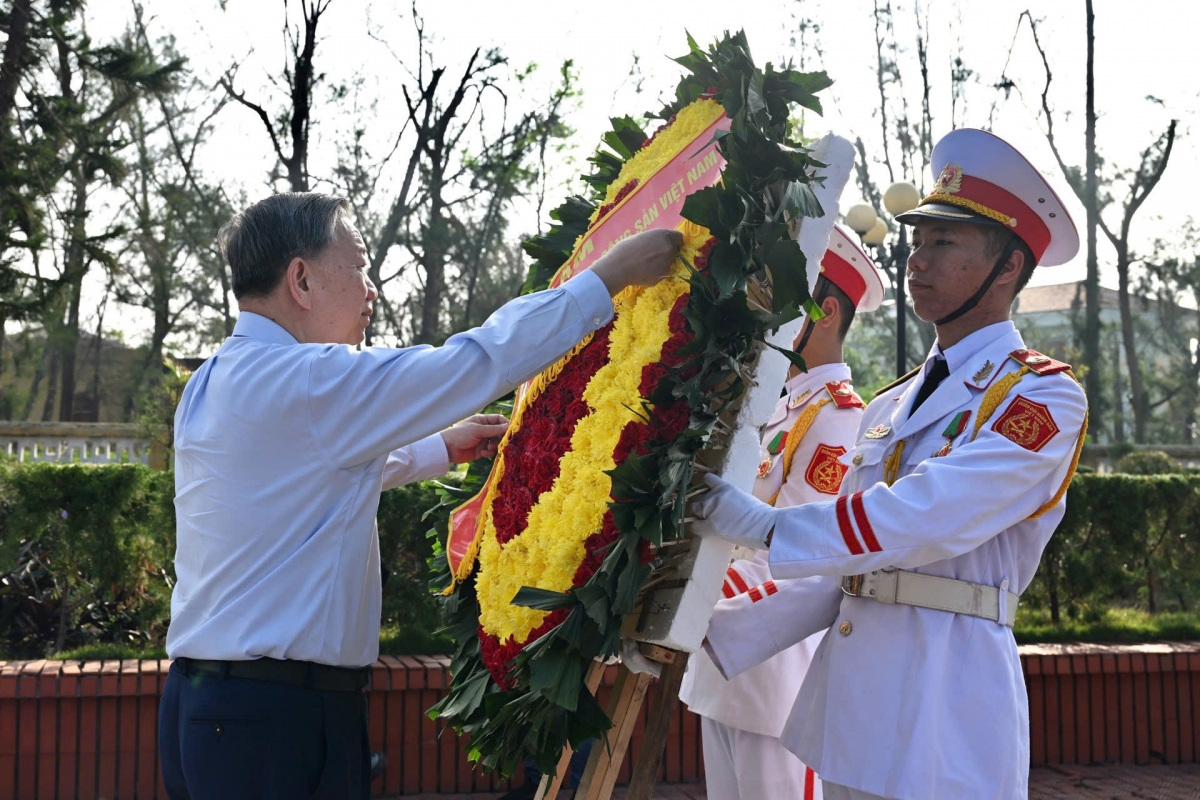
pixel 946 507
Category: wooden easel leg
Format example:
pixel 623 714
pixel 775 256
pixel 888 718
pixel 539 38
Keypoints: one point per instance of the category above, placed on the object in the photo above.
pixel 548 788
pixel 658 724
pixel 604 764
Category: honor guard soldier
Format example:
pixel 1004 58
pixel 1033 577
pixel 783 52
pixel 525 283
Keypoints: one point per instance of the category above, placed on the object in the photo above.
pixel 954 486
pixel 283 442
pixel 813 427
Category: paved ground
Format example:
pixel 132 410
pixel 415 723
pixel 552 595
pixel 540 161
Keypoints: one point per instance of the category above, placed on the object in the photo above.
pixel 1116 782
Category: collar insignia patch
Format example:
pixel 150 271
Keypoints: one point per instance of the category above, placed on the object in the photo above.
pixel 984 373
pixel 796 401
pixel 878 432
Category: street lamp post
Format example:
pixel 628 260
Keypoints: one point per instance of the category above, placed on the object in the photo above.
pixel 899 198
pixel 864 220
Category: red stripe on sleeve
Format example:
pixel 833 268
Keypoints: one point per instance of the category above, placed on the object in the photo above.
pixel 810 780
pixel 755 595
pixel 843 518
pixel 738 580
pixel 770 588
pixel 864 524
pixel 727 590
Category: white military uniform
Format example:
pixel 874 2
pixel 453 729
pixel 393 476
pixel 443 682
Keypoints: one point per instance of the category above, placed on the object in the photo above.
pixel 742 718
pixel 903 700
pixel 813 426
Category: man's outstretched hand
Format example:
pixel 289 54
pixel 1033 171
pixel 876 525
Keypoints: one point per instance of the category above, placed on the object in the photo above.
pixel 642 259
pixel 474 437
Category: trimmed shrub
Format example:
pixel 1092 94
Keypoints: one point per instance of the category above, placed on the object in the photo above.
pixel 86 556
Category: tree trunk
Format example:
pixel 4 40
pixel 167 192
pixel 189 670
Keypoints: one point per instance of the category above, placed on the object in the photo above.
pixel 1091 327
pixel 433 257
pixel 51 403
pixel 1137 387
pixel 36 383
pixel 70 343
pixel 1118 397
pixel 11 67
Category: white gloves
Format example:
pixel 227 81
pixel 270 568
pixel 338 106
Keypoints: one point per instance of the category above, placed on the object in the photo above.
pixel 731 514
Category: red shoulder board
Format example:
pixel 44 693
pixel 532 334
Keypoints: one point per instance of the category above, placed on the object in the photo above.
pixel 1038 363
pixel 843 395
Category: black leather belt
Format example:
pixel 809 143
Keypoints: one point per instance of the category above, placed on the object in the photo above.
pixel 307 674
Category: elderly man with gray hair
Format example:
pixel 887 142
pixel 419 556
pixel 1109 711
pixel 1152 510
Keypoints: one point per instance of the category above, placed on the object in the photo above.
pixel 284 440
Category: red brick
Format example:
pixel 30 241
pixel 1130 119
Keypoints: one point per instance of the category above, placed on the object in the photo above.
pixel 1141 720
pixel 411 769
pixel 1112 720
pixel 1154 714
pixel 379 677
pixel 68 746
pixel 1187 718
pixel 147 760
pixel 1053 721
pixel 397 672
pixel 415 671
pixel 1068 715
pixel 435 672
pixel 1098 711
pixel 393 737
pixel 110 678
pixel 429 743
pixel 27 742
pixel 447 758
pixel 110 739
pixel 1170 707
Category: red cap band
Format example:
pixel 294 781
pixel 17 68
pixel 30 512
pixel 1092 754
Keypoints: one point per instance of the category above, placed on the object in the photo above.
pixel 1028 225
pixel 844 276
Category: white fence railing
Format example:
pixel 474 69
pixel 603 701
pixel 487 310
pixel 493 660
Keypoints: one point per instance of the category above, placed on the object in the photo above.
pixel 86 442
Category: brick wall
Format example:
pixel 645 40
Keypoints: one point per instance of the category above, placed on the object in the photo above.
pixel 87 730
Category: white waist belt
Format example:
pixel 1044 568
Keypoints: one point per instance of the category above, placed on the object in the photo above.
pixel 941 594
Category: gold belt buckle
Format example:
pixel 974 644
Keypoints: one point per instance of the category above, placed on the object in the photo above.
pixel 852 584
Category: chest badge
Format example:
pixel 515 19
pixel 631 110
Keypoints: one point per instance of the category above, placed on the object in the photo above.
pixel 798 400
pixel 778 443
pixel 764 467
pixel 956 427
pixel 984 373
pixel 878 432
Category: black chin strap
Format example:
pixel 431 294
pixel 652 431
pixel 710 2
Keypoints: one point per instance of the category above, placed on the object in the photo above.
pixel 818 298
pixel 1009 249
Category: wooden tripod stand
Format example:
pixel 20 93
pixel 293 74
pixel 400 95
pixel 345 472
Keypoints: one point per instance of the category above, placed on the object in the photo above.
pixel 624 704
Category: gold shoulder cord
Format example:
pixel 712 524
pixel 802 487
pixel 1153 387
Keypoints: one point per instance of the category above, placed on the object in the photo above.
pixel 996 394
pixel 799 429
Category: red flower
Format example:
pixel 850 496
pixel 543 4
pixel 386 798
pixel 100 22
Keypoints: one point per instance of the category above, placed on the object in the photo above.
pixel 621 195
pixel 671 420
pixel 651 375
pixel 497 656
pixel 646 553
pixel 635 438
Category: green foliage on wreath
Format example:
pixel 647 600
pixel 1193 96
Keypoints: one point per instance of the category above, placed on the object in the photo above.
pixel 766 183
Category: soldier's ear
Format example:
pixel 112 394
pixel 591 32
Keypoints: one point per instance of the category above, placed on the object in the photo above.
pixel 833 312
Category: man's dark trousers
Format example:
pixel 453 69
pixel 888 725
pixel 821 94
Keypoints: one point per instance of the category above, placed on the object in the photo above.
pixel 232 738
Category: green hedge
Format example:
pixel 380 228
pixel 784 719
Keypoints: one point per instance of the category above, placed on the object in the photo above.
pixel 1127 541
pixel 85 560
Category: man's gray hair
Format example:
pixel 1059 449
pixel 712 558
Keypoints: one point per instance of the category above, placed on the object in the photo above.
pixel 261 241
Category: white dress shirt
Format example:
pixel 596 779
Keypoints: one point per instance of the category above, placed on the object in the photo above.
pixel 282 450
